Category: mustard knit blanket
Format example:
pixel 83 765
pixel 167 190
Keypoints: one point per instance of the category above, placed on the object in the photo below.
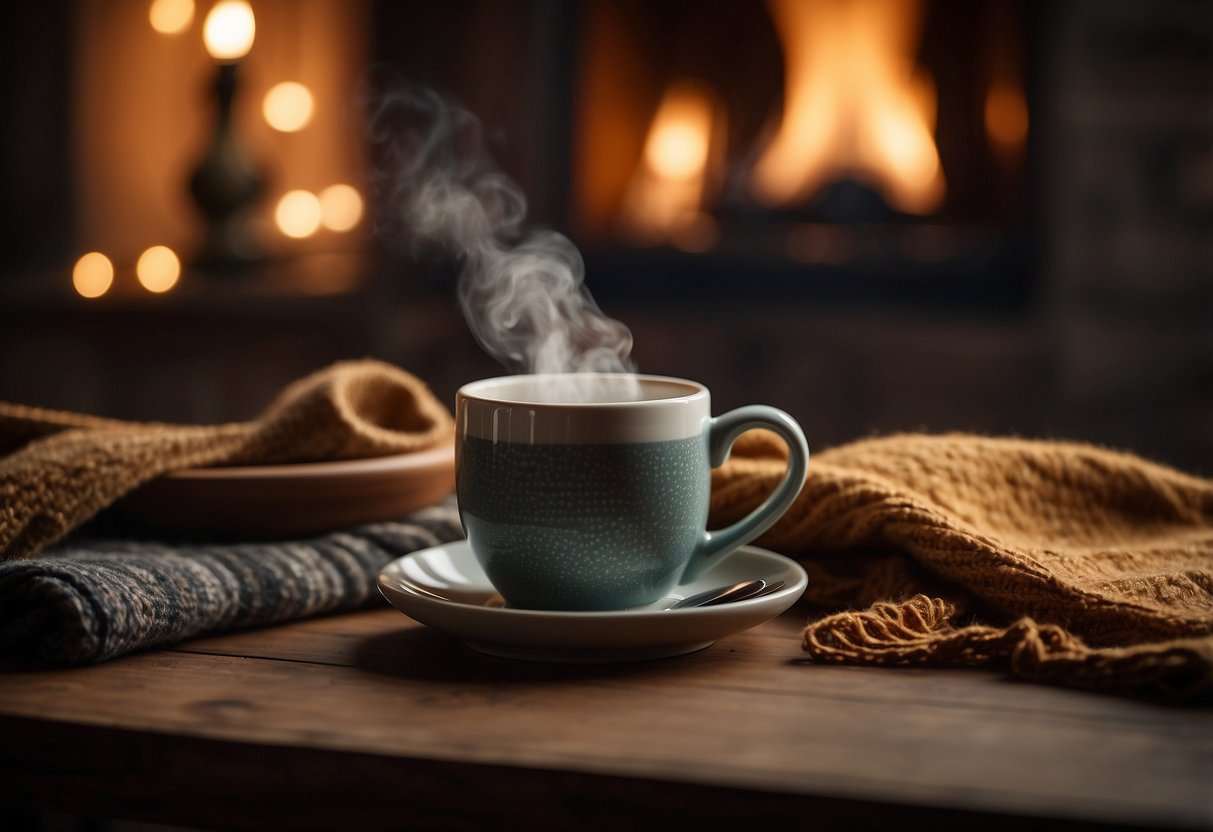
pixel 1061 562
pixel 59 469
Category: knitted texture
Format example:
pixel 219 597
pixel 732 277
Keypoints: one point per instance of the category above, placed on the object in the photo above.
pixel 92 600
pixel 59 469
pixel 1061 562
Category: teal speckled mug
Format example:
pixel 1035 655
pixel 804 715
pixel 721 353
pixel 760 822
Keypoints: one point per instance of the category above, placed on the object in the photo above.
pixel 589 491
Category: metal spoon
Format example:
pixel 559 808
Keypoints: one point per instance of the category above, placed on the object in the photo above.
pixel 727 594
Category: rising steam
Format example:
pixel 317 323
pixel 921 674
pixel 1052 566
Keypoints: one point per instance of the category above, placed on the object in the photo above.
pixel 522 293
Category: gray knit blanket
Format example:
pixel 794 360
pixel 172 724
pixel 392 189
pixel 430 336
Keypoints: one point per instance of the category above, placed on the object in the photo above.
pixel 89 600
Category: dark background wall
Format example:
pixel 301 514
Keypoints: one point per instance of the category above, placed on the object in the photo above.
pixel 1107 338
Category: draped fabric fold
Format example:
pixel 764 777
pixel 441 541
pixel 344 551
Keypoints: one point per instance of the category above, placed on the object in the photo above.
pixel 1058 561
pixel 59 469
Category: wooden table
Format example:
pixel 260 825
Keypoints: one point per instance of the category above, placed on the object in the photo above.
pixel 370 720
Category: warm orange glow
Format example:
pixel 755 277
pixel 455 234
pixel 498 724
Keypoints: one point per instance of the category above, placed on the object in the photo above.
pixel 665 195
pixel 819 243
pixel 340 207
pixel 158 269
pixel 171 17
pixel 1006 116
pixel 298 214
pixel 93 275
pixel 288 106
pixel 678 144
pixel 229 30
pixel 854 105
pixel 141 106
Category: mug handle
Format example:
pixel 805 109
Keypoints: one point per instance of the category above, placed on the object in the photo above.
pixel 722 433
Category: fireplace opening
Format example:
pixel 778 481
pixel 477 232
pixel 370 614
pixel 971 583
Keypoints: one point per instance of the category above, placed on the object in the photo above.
pixel 819 150
pixel 841 148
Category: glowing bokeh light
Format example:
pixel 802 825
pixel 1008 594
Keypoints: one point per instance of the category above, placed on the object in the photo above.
pixel 229 30
pixel 288 106
pixel 171 17
pixel 93 275
pixel 158 269
pixel 663 199
pixel 298 214
pixel 1006 115
pixel 340 207
pixel 678 147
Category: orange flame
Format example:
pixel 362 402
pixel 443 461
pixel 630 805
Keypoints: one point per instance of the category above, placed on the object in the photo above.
pixel 853 105
pixel 1006 116
pixel 666 194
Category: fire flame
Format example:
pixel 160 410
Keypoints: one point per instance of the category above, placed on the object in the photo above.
pixel 1006 116
pixel 853 105
pixel 666 194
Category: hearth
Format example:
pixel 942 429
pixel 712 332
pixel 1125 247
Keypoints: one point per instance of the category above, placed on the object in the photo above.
pixel 865 150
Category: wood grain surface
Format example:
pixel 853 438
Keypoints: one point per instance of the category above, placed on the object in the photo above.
pixel 373 719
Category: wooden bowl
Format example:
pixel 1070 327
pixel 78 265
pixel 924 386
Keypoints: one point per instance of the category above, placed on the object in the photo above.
pixel 282 501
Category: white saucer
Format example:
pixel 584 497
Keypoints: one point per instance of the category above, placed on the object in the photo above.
pixel 445 588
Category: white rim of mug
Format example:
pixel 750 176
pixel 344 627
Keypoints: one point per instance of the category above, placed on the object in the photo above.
pixel 473 390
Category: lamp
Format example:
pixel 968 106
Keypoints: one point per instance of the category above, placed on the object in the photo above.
pixel 227 182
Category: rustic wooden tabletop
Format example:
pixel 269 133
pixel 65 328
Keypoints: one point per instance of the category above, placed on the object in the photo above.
pixel 371 720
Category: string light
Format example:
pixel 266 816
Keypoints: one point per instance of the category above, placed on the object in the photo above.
pixel 288 106
pixel 340 207
pixel 298 214
pixel 158 269
pixel 93 275
pixel 171 17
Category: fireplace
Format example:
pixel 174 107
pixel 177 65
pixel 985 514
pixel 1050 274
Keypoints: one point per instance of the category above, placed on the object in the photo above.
pixel 1016 290
pixel 829 150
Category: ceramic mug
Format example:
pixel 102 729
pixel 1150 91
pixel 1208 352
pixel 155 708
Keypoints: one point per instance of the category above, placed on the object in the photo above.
pixel 589 491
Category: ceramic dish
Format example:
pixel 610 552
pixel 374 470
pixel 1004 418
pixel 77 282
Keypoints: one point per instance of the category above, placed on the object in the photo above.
pixel 274 501
pixel 445 588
